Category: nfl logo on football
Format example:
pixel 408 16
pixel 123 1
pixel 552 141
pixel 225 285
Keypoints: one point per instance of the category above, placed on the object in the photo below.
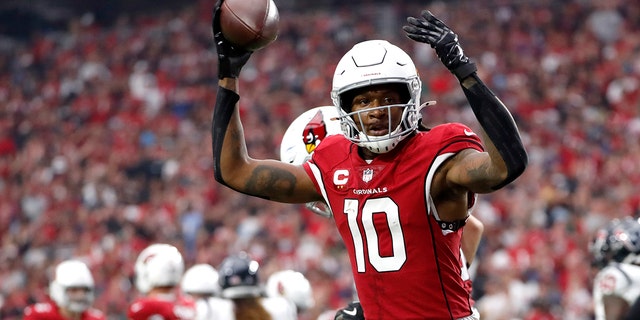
pixel 367 175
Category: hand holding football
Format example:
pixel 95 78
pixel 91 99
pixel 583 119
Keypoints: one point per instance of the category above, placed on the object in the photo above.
pixel 250 24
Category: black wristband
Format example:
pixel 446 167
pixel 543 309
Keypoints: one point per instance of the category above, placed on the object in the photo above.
pixel 465 70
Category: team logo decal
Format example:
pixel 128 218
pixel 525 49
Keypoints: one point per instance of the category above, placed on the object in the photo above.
pixel 367 174
pixel 314 132
pixel 608 284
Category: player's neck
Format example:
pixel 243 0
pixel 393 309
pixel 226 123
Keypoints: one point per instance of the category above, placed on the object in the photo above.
pixel 369 155
pixel 366 154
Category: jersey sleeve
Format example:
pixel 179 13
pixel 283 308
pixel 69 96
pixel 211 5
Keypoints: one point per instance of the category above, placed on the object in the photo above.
pixel 95 314
pixel 41 310
pixel 332 148
pixel 455 137
pixel 143 309
pixel 29 313
pixel 612 281
pixel 134 310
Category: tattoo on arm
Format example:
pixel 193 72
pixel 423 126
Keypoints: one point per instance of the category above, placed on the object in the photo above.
pixel 266 180
pixel 480 171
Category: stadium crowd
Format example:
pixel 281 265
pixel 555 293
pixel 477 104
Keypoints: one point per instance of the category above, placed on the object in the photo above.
pixel 105 146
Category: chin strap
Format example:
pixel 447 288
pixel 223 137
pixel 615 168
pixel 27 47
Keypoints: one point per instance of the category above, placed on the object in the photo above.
pixel 499 126
pixel 222 112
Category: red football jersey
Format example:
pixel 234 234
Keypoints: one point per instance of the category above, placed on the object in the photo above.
pixel 405 266
pixel 49 311
pixel 166 307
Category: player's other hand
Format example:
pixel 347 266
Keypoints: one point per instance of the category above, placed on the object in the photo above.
pixel 353 311
pixel 230 58
pixel 429 29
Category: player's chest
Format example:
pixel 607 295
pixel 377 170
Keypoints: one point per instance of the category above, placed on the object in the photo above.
pixel 355 179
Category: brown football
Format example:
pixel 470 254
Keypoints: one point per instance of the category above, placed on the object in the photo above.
pixel 250 24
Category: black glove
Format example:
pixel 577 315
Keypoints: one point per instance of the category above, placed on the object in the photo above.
pixel 230 59
pixel 353 311
pixel 429 29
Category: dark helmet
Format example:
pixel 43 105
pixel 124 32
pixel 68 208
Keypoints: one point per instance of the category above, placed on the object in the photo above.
pixel 239 277
pixel 618 241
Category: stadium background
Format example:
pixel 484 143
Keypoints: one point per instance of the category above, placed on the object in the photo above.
pixel 105 111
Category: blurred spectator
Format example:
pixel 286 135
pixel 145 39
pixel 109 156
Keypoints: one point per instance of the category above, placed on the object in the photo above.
pixel 240 285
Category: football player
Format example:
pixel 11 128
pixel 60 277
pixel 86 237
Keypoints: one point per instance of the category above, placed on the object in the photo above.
pixel 158 271
pixel 471 236
pixel 293 286
pixel 72 294
pixel 399 196
pixel 303 136
pixel 616 248
pixel 239 283
pixel 201 283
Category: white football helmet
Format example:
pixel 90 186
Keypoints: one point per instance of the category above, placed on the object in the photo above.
pixel 158 265
pixel 292 285
pixel 369 63
pixel 303 137
pixel 200 279
pixel 72 274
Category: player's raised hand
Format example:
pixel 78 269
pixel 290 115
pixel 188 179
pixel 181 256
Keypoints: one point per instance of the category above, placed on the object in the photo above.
pixel 429 29
pixel 231 59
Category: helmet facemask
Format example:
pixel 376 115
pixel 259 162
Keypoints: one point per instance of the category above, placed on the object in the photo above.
pixel 78 299
pixel 352 125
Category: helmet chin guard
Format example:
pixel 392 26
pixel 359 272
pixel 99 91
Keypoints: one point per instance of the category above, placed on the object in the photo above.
pixel 376 62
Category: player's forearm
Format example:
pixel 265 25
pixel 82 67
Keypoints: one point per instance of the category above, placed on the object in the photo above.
pixel 504 146
pixel 229 83
pixel 227 137
pixel 471 236
pixel 269 179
